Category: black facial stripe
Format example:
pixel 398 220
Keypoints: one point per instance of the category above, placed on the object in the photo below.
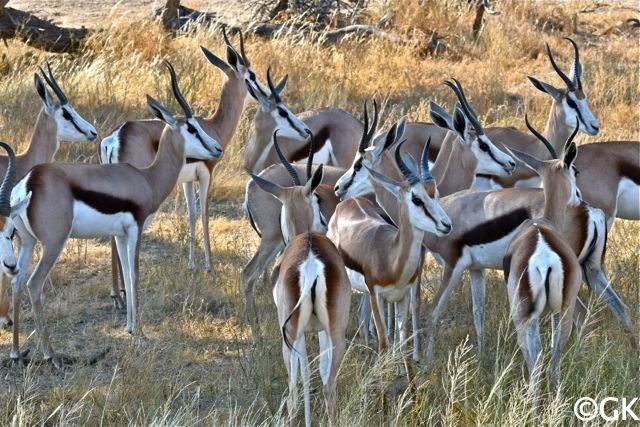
pixel 73 122
pixel 578 113
pixel 424 208
pixel 293 125
pixel 494 157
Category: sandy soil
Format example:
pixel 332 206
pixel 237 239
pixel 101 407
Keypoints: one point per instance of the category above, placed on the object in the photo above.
pixel 93 13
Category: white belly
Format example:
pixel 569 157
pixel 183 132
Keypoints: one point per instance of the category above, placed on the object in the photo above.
pixel 188 173
pixel 357 281
pixel 534 182
pixel 488 255
pixel 324 155
pixel 393 293
pixel 628 200
pixel 90 223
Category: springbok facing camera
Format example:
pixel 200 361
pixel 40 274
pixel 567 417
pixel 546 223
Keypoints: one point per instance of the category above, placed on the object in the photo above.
pixel 387 258
pixel 311 289
pixel 98 201
pixel 541 269
pixel 57 121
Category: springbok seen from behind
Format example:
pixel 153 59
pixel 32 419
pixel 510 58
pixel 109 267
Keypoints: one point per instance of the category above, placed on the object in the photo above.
pixel 540 267
pixel 311 289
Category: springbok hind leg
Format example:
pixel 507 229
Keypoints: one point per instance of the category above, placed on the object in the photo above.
pixel 189 197
pixel 117 277
pixel 478 296
pixel 204 178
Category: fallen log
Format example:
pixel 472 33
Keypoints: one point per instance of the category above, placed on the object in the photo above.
pixel 39 33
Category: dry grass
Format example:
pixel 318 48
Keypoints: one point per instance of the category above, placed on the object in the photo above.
pixel 197 363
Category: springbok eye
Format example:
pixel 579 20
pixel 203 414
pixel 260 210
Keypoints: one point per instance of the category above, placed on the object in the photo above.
pixel 282 112
pixel 252 76
pixel 483 146
pixel 571 103
pixel 66 114
pixel 358 166
pixel 416 201
pixel 191 129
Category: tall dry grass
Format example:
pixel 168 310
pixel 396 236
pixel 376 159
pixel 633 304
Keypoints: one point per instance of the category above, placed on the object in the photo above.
pixel 197 363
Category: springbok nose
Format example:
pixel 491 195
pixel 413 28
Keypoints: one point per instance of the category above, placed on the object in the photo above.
pixel 92 135
pixel 595 127
pixel 11 267
pixel 446 227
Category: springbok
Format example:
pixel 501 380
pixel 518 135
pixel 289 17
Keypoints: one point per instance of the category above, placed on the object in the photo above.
pixel 333 131
pixel 100 200
pixel 136 142
pixel 311 289
pixel 541 269
pixel 57 121
pixel 389 258
pixel 465 152
pixel 484 224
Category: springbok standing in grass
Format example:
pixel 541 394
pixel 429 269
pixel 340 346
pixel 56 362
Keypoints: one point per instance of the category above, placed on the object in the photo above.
pixel 97 201
pixel 388 258
pixel 57 121
pixel 333 131
pixel 311 289
pixel 540 267
pixel 136 142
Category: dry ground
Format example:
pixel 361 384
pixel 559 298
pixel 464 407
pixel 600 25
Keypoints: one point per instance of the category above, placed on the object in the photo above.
pixel 197 363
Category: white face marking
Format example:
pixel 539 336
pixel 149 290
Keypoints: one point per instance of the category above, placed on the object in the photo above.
pixel 355 181
pixel 287 124
pixel 490 160
pixel 7 254
pixel 572 105
pixel 197 143
pixel 71 126
pixel 425 213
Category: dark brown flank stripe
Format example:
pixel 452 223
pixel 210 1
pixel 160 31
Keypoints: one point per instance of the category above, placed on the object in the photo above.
pixel 106 203
pixel 318 142
pixel 494 229
pixel 630 171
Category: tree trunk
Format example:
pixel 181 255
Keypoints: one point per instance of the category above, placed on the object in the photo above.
pixel 170 14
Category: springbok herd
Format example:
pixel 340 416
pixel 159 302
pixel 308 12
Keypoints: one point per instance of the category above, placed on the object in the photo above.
pixel 467 194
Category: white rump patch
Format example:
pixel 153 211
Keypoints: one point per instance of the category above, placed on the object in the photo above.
pixel 540 261
pixel 628 200
pixel 110 148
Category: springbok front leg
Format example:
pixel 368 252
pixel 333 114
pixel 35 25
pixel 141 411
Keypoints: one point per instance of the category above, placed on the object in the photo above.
pixel 204 179
pixel 5 320
pixel 189 197
pixel 478 293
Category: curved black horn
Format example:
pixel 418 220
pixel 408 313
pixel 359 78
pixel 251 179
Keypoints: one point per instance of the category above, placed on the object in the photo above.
pixel 572 136
pixel 242 52
pixel 562 75
pixel 374 122
pixel 576 69
pixel 225 37
pixel 408 174
pixel 364 142
pixel 310 158
pixel 54 84
pixel 176 92
pixel 8 181
pixel 552 151
pixel 274 92
pixel 285 162
pixel 468 109
pixel 425 173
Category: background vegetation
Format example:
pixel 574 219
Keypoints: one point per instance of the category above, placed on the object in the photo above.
pixel 197 362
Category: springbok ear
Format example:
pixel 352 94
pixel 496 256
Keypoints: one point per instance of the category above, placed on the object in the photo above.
pixel 531 162
pixel 315 180
pixel 410 162
pixel 44 94
pixel 232 58
pixel 274 189
pixel 546 88
pixel 213 59
pixel 460 124
pixel 281 84
pixel 264 102
pixel 570 155
pixel 386 182
pixel 19 207
pixel 162 113
pixel 439 116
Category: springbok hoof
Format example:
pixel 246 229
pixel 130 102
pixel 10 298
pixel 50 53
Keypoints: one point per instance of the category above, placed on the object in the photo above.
pixel 60 361
pixel 118 302
pixel 22 360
